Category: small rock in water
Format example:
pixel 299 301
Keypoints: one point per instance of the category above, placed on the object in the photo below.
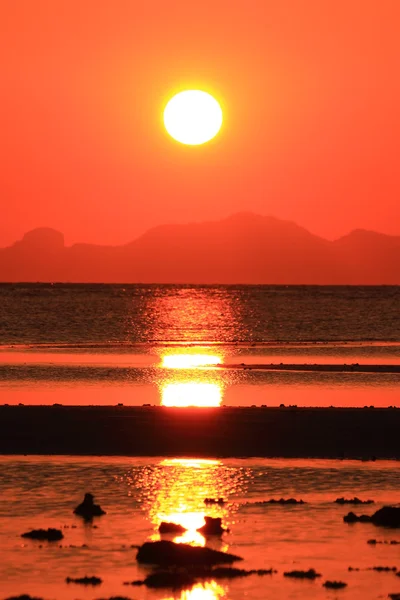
pixel 335 585
pixel 172 528
pixel 382 569
pixel 387 516
pixel 167 553
pixel 85 580
pixel 50 535
pixel 88 509
pixel 170 579
pixel 219 501
pixel 394 596
pixel 212 526
pixel 310 574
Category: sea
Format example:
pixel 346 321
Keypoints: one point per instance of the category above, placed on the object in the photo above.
pixel 211 346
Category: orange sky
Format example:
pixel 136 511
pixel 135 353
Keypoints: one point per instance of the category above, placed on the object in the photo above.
pixel 310 90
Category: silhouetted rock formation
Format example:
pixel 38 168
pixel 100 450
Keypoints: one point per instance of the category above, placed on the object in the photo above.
pixel 388 516
pixel 394 596
pixel 334 585
pixel 212 526
pixel 191 575
pixel 170 579
pixel 23 597
pixel 271 251
pixel 166 553
pixel 115 598
pixel 84 580
pixel 87 509
pixel 282 501
pixel 382 569
pixel 310 574
pixel 171 528
pixel 49 535
pixel 354 500
pixel 219 501
pixel 388 542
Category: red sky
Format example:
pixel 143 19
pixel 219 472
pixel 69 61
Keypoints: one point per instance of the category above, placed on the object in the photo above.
pixel 311 96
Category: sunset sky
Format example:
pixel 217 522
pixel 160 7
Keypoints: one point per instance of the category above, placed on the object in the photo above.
pixel 310 92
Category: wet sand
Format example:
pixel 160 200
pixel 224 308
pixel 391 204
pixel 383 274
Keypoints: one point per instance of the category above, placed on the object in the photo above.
pixel 203 432
pixel 329 368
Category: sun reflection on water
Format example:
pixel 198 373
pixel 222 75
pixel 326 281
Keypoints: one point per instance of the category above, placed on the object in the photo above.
pixel 191 393
pixel 205 591
pixel 186 383
pixel 174 491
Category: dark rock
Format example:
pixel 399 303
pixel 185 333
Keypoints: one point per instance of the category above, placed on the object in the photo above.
pixel 115 598
pixel 282 501
pixel 387 516
pixel 168 553
pixel 85 580
pixel 192 574
pixel 394 596
pixel 373 542
pixel 23 597
pixel 136 582
pixel 172 528
pixel 219 501
pixel 232 573
pixel 212 526
pixel 382 569
pixel 353 569
pixel 50 535
pixel 170 579
pixel 353 518
pixel 335 585
pixel 354 500
pixel 310 574
pixel 88 509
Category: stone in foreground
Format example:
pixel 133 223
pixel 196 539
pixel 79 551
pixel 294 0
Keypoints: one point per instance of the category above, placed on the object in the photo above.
pixel 85 580
pixel 387 516
pixel 310 574
pixel 49 535
pixel 88 509
pixel 170 554
pixel 171 528
pixel 334 585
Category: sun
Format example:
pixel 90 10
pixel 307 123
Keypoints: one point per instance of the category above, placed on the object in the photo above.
pixel 193 117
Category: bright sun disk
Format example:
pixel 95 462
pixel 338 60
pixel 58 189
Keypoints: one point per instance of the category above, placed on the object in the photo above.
pixel 193 117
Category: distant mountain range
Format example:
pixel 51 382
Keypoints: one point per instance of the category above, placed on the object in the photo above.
pixel 244 248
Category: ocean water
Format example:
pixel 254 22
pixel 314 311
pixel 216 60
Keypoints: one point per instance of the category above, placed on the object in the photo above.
pixel 138 494
pixel 201 345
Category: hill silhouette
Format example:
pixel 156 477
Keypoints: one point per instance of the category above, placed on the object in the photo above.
pixel 243 248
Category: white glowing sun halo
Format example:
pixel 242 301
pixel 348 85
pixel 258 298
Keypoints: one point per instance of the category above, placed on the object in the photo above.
pixel 193 117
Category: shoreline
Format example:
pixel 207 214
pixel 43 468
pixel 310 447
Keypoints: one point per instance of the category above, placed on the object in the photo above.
pixel 329 368
pixel 236 432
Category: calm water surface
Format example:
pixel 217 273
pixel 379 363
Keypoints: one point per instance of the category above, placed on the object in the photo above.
pixel 110 344
pixel 139 493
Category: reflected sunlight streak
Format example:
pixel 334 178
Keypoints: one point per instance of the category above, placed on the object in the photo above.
pixel 202 591
pixel 188 361
pixel 191 393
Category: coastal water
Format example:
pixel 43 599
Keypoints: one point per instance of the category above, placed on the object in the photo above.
pixel 201 345
pixel 138 494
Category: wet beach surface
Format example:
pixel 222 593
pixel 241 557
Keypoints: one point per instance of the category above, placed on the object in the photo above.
pixel 139 493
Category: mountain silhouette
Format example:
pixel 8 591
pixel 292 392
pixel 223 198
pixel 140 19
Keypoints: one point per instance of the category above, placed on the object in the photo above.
pixel 243 248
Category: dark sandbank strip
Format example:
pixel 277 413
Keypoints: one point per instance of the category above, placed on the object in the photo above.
pixel 201 432
pixel 339 368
